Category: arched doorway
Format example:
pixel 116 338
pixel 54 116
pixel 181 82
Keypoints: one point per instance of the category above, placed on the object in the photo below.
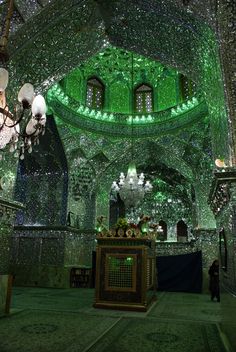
pixel 163 225
pixel 117 210
pixel 182 231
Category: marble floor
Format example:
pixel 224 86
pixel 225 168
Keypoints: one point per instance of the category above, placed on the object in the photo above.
pixel 63 320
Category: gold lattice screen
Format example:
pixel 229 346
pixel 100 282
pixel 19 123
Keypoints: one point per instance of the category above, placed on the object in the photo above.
pixel 120 272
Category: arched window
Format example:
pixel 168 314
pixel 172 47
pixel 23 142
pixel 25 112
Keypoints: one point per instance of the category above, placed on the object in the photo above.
pixel 182 231
pixel 143 98
pixel 163 224
pixel 95 93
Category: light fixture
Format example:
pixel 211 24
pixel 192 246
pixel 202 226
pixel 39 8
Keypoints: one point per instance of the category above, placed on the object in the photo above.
pixel 131 188
pixel 220 163
pixel 19 129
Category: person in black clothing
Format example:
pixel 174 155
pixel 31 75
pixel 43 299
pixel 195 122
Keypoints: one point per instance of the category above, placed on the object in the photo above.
pixel 214 286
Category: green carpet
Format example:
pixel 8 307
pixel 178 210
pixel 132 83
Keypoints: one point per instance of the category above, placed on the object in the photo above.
pixel 38 331
pixel 64 320
pixel 186 307
pixel 150 335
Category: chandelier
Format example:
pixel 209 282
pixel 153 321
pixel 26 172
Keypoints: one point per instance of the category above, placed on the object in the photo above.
pixel 21 126
pixel 131 188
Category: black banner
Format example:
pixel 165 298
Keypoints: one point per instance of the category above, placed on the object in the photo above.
pixel 180 273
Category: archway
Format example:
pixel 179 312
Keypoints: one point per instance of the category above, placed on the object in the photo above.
pixel 163 225
pixel 182 231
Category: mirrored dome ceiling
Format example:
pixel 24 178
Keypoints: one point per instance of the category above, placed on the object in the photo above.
pixel 120 88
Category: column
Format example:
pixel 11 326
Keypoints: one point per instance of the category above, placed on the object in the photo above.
pixel 7 216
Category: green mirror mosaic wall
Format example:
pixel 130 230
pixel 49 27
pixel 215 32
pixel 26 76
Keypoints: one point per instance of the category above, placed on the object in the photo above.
pixel 179 143
pixel 167 41
pixel 121 72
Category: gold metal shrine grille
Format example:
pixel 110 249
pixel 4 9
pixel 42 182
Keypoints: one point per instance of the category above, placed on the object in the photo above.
pixel 120 272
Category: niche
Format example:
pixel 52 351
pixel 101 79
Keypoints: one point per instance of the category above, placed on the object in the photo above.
pixel 163 224
pixel 182 231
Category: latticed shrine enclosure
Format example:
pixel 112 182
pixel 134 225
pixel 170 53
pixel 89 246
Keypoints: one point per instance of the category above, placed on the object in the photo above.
pixel 125 273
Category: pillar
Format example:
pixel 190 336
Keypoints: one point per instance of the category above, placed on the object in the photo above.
pixel 7 216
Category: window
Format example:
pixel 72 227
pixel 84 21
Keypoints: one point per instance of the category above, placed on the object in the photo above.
pixel 95 93
pixel 144 99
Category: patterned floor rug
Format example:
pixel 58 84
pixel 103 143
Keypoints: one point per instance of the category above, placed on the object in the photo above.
pixel 149 335
pixel 38 331
pixel 57 320
pixel 187 307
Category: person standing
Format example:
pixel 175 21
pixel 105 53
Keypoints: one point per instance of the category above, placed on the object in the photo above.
pixel 214 286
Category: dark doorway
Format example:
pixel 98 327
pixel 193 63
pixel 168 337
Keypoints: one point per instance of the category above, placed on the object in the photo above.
pixel 182 231
pixel 163 224
pixel 117 210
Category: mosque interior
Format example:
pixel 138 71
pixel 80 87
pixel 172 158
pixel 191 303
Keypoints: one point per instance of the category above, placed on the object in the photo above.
pixel 146 85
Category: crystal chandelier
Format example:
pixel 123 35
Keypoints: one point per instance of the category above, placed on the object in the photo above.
pixel 21 127
pixel 131 188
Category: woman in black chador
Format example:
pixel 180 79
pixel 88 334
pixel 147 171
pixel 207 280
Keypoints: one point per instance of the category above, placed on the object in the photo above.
pixel 214 280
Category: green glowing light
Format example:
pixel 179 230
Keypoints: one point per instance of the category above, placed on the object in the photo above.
pixel 56 92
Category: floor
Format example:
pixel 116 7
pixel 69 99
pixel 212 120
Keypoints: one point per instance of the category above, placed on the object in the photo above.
pixel 63 320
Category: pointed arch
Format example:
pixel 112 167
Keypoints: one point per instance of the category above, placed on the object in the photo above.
pixel 117 210
pixel 95 93
pixel 143 98
pixel 163 224
pixel 182 231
